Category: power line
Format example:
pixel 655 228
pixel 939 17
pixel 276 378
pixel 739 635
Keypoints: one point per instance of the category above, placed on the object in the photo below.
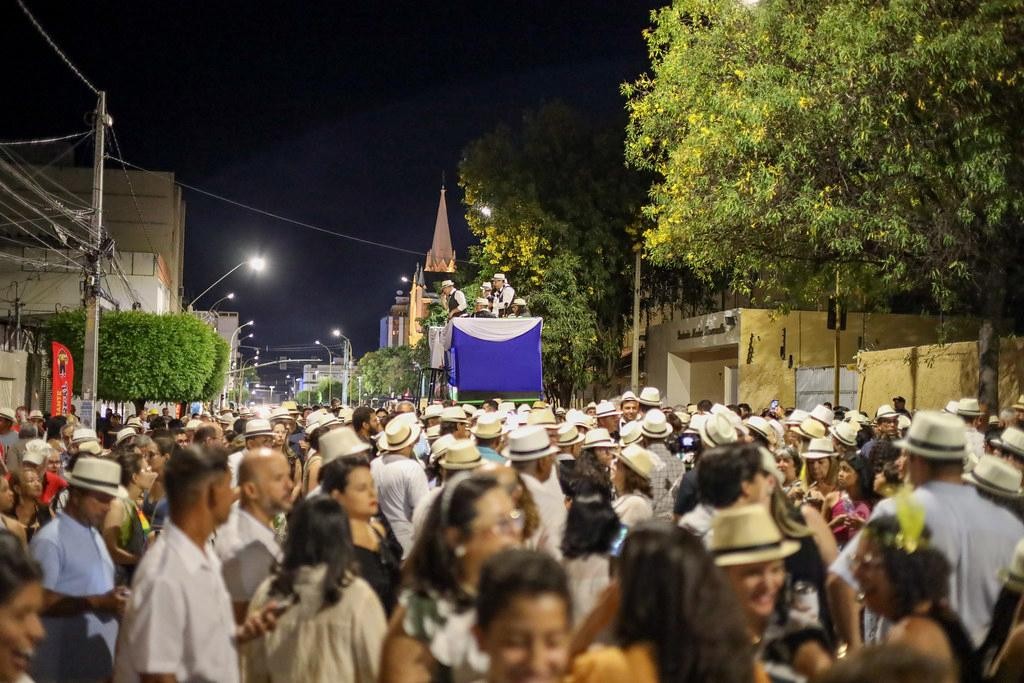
pixel 43 141
pixel 56 49
pixel 131 191
pixel 276 216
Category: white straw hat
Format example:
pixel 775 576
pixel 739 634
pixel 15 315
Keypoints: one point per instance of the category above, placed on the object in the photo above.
pixel 96 474
pixel 339 443
pixel 454 414
pixel 630 433
pixel 716 431
pixel 819 449
pixel 747 535
pixel 568 435
pixel 606 409
pixel 650 396
pixel 597 438
pixel 36 452
pixel 432 411
pixel 528 443
pixel 936 436
pixel 401 434
pixel 488 426
pixel 968 407
pixel 1011 442
pixel 640 460
pixel 462 454
pixel 655 425
pixel 996 476
pixel 259 427
pixel 845 433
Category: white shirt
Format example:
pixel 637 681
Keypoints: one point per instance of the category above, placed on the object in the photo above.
pixel 975 444
pixel 588 577
pixel 460 301
pixel 247 550
pixel 502 299
pixel 401 483
pixel 419 515
pixel 179 618
pixel 234 462
pixel 633 508
pixel 550 501
pixel 976 536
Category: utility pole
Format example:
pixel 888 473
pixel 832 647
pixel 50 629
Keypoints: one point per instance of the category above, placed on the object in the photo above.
pixel 835 377
pixel 94 270
pixel 344 373
pixel 634 370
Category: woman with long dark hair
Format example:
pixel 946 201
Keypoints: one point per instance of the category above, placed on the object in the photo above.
pixel 906 581
pixel 378 553
pixel 429 635
pixel 591 530
pixel 848 507
pixel 332 624
pixel 679 624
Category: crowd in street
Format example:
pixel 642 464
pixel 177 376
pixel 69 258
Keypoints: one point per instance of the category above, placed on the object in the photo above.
pixel 624 540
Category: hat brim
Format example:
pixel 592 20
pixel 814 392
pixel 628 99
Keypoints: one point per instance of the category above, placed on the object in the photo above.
pixel 968 413
pixel 1013 450
pixel 579 439
pixel 971 479
pixel 630 465
pixel 653 435
pixel 414 436
pixel 259 433
pixel 727 558
pixel 807 435
pixel 472 465
pixel 479 435
pixel 614 413
pixel 832 431
pixel 507 453
pixel 649 404
pixel 111 490
pixel 930 453
pixel 599 444
pixel 455 420
pixel 817 455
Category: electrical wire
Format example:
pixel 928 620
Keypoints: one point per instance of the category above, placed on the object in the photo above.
pixel 56 49
pixel 276 216
pixel 43 141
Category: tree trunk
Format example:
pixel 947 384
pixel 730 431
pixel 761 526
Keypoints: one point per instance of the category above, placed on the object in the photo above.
pixel 994 299
pixel 140 405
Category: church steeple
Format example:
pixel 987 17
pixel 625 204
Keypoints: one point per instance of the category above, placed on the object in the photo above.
pixel 441 257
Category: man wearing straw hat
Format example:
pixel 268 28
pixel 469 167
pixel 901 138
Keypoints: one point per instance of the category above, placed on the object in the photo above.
pixel 400 479
pixel 976 536
pixel 530 453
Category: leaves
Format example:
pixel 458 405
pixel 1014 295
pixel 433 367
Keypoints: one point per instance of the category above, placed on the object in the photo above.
pixel 171 357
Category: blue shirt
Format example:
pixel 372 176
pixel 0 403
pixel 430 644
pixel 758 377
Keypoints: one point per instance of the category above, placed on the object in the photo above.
pixel 76 563
pixel 490 455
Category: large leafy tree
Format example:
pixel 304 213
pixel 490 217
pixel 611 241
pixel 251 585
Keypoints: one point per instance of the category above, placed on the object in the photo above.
pixel 390 371
pixel 801 143
pixel 556 186
pixel 148 357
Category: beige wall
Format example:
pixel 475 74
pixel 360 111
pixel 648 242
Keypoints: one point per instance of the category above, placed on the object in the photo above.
pixel 929 376
pixel 686 358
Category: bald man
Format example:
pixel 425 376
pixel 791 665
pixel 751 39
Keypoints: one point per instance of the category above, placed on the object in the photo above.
pixel 246 544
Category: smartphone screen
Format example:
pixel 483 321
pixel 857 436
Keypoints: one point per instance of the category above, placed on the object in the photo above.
pixel 620 538
pixel 774 404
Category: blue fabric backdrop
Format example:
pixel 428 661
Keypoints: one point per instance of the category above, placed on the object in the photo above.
pixel 498 367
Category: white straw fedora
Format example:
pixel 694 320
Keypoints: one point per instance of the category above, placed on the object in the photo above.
pixel 819 449
pixel 810 428
pixel 96 474
pixel 996 476
pixel 440 446
pixel 542 417
pixel 845 433
pixel 1011 442
pixel 758 424
pixel 432 411
pixel 747 535
pixel 568 435
pixel 630 433
pixel 260 427
pixel 401 434
pixel 935 435
pixel 125 434
pixel 454 414
pixel 968 407
pixel 639 459
pixel 462 454
pixel 655 425
pixel 796 417
pixel 606 409
pixel 340 443
pixel 83 434
pixel 528 443
pixel 650 396
pixel 1013 576
pixel 717 430
pixel 488 426
pixel 598 437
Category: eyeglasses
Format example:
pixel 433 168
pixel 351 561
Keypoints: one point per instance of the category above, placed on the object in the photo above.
pixel 868 561
pixel 513 522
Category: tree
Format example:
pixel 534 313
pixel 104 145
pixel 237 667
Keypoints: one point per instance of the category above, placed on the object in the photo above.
pixel 553 187
pixel 390 371
pixel 872 144
pixel 570 329
pixel 147 357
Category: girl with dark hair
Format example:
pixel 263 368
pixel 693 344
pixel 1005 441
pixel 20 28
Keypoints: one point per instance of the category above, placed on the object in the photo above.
pixel 21 601
pixel 154 502
pixel 332 624
pixel 594 466
pixel 906 581
pixel 429 636
pixel 591 530
pixel 662 625
pixel 523 617
pixel 7 506
pixel 378 553
pixel 847 509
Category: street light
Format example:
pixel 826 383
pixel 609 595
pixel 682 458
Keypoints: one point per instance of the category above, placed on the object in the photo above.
pixel 344 371
pixel 404 278
pixel 228 296
pixel 486 211
pixel 257 263
pixel 330 370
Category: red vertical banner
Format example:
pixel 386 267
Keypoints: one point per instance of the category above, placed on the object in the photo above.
pixel 63 380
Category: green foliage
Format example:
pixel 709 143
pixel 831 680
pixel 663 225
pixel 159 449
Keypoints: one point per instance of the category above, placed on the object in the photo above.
pixel 308 397
pixel 145 356
pixel 570 329
pixel 797 139
pixel 390 371
pixel 221 364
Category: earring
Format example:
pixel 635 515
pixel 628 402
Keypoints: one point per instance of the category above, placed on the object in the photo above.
pixel 460 551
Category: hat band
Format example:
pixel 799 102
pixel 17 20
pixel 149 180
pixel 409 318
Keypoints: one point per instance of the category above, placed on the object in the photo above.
pixel 88 480
pixel 982 480
pixel 811 450
pixel 747 548
pixel 533 452
pixel 468 462
pixel 924 444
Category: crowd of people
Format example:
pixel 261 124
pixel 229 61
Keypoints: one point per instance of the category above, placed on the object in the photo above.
pixel 624 540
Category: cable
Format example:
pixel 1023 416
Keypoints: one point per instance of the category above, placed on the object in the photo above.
pixel 56 49
pixel 43 141
pixel 277 216
pixel 131 191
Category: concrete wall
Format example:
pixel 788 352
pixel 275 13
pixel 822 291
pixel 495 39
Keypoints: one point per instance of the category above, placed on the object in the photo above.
pixel 13 375
pixel 672 344
pixel 929 376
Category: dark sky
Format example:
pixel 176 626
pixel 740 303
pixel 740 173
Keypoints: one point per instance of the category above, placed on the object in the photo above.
pixel 342 114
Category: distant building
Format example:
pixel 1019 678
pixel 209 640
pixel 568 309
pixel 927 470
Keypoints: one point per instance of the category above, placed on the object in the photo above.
pixel 394 330
pixel 441 257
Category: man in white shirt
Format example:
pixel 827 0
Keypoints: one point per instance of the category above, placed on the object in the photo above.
pixel 400 479
pixel 502 295
pixel 970 411
pixel 976 536
pixel 179 624
pixel 246 545
pixel 531 454
pixel 258 434
pixel 455 300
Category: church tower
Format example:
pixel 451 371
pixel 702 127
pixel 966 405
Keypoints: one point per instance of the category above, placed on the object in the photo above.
pixel 441 257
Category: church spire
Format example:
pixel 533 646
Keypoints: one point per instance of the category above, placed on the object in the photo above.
pixel 441 257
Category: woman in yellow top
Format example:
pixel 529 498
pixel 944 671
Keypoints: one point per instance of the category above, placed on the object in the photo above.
pixel 661 619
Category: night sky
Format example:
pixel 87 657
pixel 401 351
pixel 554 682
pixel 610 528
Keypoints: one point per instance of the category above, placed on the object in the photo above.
pixel 342 114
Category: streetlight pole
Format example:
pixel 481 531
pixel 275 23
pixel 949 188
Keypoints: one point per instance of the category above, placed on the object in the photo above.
pixel 230 295
pixel 330 370
pixel 348 359
pixel 257 263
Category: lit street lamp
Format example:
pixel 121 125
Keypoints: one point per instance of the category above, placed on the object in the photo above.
pixel 257 263
pixel 330 371
pixel 229 296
